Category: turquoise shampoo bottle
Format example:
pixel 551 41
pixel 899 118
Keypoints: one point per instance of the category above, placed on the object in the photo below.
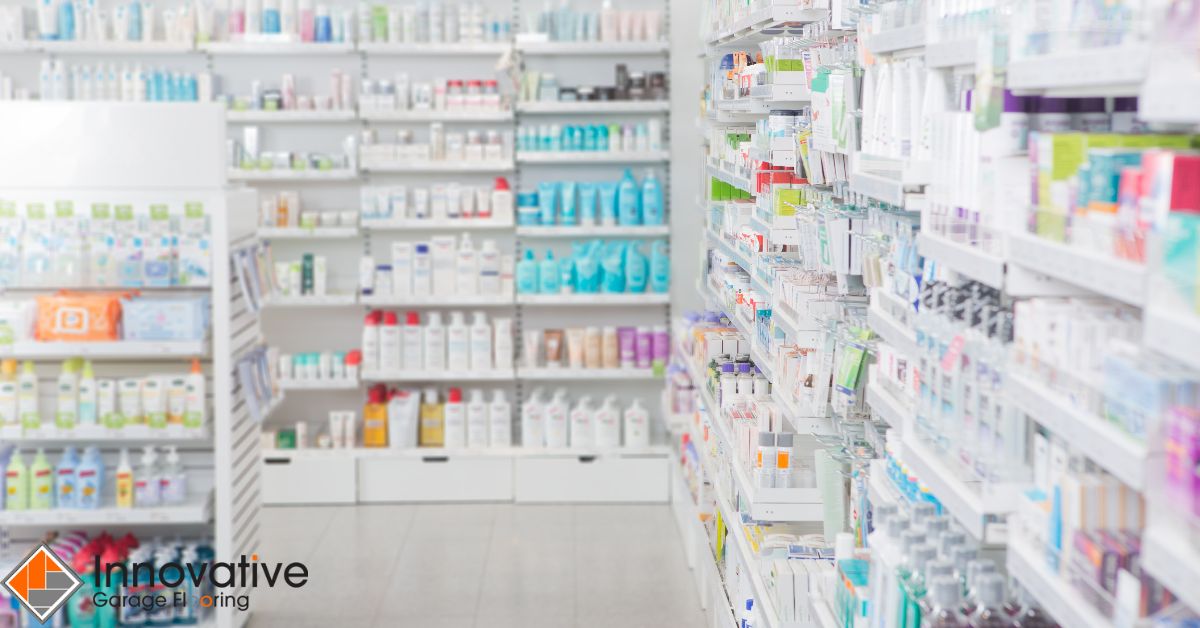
pixel 549 279
pixel 660 267
pixel 652 200
pixel 629 211
pixel 635 269
pixel 527 274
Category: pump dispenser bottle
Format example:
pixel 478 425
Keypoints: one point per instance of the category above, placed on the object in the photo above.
pixel 556 421
pixel 533 424
pixel 582 432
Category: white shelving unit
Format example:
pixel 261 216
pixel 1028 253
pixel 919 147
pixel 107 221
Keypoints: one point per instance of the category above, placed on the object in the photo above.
pixel 292 175
pixel 300 233
pixel 295 116
pixel 594 107
pixel 330 300
pixel 594 157
pixel 427 49
pixel 238 48
pixel 132 350
pixel 603 49
pixel 597 231
pixel 591 300
pixel 498 375
pixel 431 224
pixel 434 167
pixel 570 374
pixel 456 300
pixel 418 115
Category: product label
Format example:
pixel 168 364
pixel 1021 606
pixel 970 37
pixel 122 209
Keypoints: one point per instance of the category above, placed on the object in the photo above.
pixel 64 209
pixel 101 211
pixel 35 211
pixel 8 209
pixel 123 212
pixel 193 209
pixel 159 211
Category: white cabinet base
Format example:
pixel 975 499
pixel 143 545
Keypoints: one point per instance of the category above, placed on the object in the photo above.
pixel 435 478
pixel 579 479
pixel 296 480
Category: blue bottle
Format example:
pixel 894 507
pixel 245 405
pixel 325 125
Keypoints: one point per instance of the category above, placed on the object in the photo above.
pixel 652 200
pixel 549 279
pixel 635 269
pixel 66 20
pixel 66 488
pixel 629 211
pixel 527 274
pixel 660 267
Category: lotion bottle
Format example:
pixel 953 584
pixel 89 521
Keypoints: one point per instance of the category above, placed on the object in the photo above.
pixel 499 420
pixel 458 344
pixel 637 426
pixel 455 420
pixel 146 486
pixel 16 484
pixel 66 489
pixel 389 343
pixel 477 420
pixel 435 343
pixel 607 422
pixel 467 268
pixel 124 481
pixel 68 396
pixel 370 341
pixel 533 421
pixel 412 342
pixel 195 403
pixel 556 420
pixel 583 434
pixel 88 413
pixel 41 483
pixel 9 414
pixel 27 397
pixel 433 420
pixel 481 343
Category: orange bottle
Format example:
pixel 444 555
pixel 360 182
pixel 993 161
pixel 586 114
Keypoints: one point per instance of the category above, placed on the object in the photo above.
pixel 375 418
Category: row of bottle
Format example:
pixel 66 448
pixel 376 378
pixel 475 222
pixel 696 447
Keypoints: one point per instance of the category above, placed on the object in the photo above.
pixel 80 399
pixel 473 145
pixel 389 347
pixel 403 419
pixel 79 481
pixel 443 266
pixel 431 22
pixel 570 203
pixel 285 98
pixel 135 21
pixel 439 201
pixel 588 138
pixel 597 266
pixel 450 95
pixel 58 81
pixel 925 574
pixel 607 347
pixel 554 423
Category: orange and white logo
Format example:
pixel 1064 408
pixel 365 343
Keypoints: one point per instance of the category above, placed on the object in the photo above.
pixel 43 582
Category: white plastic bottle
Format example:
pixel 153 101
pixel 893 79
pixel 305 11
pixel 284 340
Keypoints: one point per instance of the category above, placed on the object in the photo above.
pixel 607 421
pixel 195 404
pixel 173 482
pixel 637 426
pixel 556 420
pixel 146 486
pixel 27 397
pixel 477 420
pixel 502 346
pixel 370 342
pixel 499 420
pixel 389 343
pixel 435 343
pixel 533 421
pixel 9 415
pixel 88 413
pixel 458 344
pixel 481 343
pixel 402 415
pixel 583 434
pixel 68 396
pixel 455 435
pixel 412 343
pixel 466 268
pixel 489 269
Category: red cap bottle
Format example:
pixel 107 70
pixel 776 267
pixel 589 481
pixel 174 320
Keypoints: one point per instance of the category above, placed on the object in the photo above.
pixel 454 395
pixel 390 319
pixel 412 319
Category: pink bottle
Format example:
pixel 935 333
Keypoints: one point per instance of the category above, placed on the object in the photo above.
pixel 307 21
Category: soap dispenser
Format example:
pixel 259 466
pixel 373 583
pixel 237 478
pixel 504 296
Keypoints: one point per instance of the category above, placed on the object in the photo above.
pixel 583 435
pixel 533 424
pixel 556 421
pixel 607 423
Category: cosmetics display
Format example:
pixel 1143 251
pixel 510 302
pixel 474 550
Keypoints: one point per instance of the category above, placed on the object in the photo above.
pixel 284 210
pixel 278 22
pixel 59 81
pixel 317 369
pixel 122 22
pixel 246 154
pixel 573 23
pixel 444 95
pixel 488 146
pixel 594 348
pixel 597 266
pixel 435 346
pixel 286 96
pixel 82 481
pixel 438 202
pixel 569 203
pixel 592 138
pixel 627 86
pixel 85 403
pixel 442 266
pixel 555 421
pixel 431 23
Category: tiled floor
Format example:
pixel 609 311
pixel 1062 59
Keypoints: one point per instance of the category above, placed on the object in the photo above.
pixel 485 566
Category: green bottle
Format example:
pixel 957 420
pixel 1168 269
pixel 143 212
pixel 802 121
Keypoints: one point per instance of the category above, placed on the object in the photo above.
pixel 41 483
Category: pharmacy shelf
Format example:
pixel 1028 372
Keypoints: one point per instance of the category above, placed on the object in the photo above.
pixel 241 48
pixel 466 49
pixel 593 48
pixel 436 224
pixel 951 54
pixel 823 613
pixel 880 489
pixel 1053 592
pixel 737 181
pixel 497 375
pixel 444 300
pixel 1103 274
pixel 116 47
pixel 971 503
pixel 360 453
pixel 18 47
pixel 892 331
pixel 806 421
pixel 434 167
pixel 893 190
pixel 801 331
pixel 288 174
pixel 417 115
pixel 49 434
pixel 1170 555
pixel 293 385
pixel 594 107
pixel 1170 98
pixel 592 300
pixel 197 510
pixel 595 231
pixel 732 251
pixel 893 410
pixel 1107 71
pixel 781 94
pixel 559 158
pixel 1173 333
pixel 106 350
pixel 301 233
pixel 969 261
pixel 329 300
pixel 896 39
pixel 291 116
pixel 765 24
pixel 569 374
pixel 1094 436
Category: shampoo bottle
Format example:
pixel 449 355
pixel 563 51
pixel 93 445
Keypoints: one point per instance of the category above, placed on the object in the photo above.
pixel 635 269
pixel 556 420
pixel 629 212
pixel 607 422
pixel 27 398
pixel 41 483
pixel 652 200
pixel 68 396
pixel 527 274
pixel 481 343
pixel 433 421
pixel 16 484
pixel 435 343
pixel 412 341
pixel 124 481
pixel 375 418
pixel 147 484
pixel 660 267
pixel 466 267
pixel 583 434
pixel 548 276
pixel 502 346
pixel 389 343
pixel 499 420
pixel 66 489
pixel 455 420
pixel 195 404
pixel 477 420
pixel 370 341
pixel 637 426
pixel 9 414
pixel 458 344
pixel 533 420
pixel 90 476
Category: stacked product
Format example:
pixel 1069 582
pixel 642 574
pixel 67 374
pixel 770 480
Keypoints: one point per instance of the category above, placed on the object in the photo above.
pixel 585 204
pixel 81 482
pixel 596 266
pixel 412 349
pixel 474 145
pixel 131 22
pixel 305 277
pixel 569 23
pixel 277 22
pixel 110 316
pixel 597 348
pixel 319 367
pixel 553 422
pixel 246 155
pixel 444 95
pixel 440 201
pixel 404 419
pixel 283 210
pixel 628 86
pixel 597 137
pixel 443 266
pixel 286 98
pixel 58 81
pixel 431 23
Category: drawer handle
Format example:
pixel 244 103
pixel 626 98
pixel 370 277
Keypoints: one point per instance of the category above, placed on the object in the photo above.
pixel 435 459
pixel 277 460
pixel 587 459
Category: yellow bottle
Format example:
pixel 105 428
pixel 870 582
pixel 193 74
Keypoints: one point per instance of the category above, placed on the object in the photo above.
pixel 433 420
pixel 124 481
pixel 375 418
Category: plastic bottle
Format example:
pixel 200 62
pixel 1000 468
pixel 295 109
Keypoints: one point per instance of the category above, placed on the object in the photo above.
pixel 370 341
pixel 477 420
pixel 66 489
pixel 455 420
pixel 635 269
pixel 9 413
pixel 88 399
pixel 629 211
pixel 375 417
pixel 172 486
pixel 637 426
pixel 527 274
pixel 403 409
pixel 990 596
pixel 458 344
pixel 660 267
pixel 411 343
pixel 533 421
pixel 90 475
pixel 652 200
pixel 16 484
pixel 41 482
pixel 583 432
pixel 433 420
pixel 124 481
pixel 389 343
pixel 607 423
pixel 556 421
pixel 481 343
pixel 1028 614
pixel 945 598
pixel 67 396
pixel 435 343
pixel 27 397
pixel 549 279
pixel 489 269
pixel 466 268
pixel 147 483
pixel 499 420
pixel 195 404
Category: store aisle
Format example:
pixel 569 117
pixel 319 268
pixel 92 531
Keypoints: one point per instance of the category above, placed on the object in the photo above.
pixel 486 566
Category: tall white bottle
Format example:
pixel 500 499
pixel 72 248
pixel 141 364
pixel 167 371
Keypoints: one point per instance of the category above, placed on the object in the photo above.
pixel 466 268
pixel 389 343
pixel 607 421
pixel 412 342
pixel 637 426
pixel 533 421
pixel 458 344
pixel 556 420
pixel 481 343
pixel 435 343
pixel 370 342
pixel 502 346
pixel 455 420
pixel 583 434
pixel 477 420
pixel 500 420
pixel 489 269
